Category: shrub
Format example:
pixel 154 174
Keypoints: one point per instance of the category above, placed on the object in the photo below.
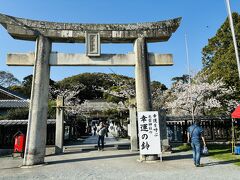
pixel 18 113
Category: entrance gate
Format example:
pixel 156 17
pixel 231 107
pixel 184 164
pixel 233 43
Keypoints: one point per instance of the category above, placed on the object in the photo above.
pixel 46 33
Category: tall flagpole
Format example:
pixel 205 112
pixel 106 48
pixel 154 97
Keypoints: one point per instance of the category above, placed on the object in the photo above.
pixel 189 77
pixel 233 35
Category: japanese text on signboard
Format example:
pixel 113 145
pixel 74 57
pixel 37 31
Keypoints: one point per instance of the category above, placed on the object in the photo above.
pixel 149 133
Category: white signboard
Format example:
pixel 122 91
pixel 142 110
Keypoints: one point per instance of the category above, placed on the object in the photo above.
pixel 149 132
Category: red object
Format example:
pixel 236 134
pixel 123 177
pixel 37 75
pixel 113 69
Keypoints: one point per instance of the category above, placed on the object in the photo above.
pixel 236 113
pixel 19 143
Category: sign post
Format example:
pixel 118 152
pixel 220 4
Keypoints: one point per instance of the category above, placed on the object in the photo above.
pixel 149 133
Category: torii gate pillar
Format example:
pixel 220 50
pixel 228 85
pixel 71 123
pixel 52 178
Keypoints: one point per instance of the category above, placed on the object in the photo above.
pixel 142 76
pixel 37 127
pixel 142 80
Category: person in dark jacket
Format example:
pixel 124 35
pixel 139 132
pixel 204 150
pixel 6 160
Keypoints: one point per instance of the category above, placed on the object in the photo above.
pixel 195 133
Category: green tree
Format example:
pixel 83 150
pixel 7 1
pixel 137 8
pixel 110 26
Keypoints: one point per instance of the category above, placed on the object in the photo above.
pixel 157 90
pixel 7 79
pixel 112 87
pixel 184 78
pixel 219 59
pixel 26 86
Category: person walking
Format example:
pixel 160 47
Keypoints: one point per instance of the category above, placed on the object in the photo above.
pixel 194 134
pixel 101 131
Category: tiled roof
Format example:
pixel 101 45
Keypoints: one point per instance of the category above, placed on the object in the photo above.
pixel 21 122
pixel 14 103
pixel 11 93
pixel 100 105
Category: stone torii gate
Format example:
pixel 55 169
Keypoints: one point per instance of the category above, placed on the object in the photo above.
pixel 46 33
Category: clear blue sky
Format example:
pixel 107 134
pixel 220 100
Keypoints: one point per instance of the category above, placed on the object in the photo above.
pixel 201 19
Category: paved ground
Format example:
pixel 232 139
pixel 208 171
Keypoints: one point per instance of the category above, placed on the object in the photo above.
pixel 91 144
pixel 118 164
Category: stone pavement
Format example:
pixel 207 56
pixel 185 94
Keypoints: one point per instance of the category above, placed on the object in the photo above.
pixel 90 143
pixel 118 164
pixel 93 139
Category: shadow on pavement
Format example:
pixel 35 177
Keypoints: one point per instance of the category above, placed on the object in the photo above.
pixel 221 162
pixel 15 167
pixel 177 157
pixel 69 152
pixel 92 158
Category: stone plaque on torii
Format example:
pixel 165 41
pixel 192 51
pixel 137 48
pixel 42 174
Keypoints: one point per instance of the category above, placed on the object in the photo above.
pixel 45 33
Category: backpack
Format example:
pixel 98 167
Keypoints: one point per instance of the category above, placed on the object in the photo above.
pixel 102 132
pixel 190 140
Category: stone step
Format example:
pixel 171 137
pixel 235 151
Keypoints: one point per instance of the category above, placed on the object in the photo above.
pixel 94 147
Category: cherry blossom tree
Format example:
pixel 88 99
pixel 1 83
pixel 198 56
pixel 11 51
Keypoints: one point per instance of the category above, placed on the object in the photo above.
pixel 199 96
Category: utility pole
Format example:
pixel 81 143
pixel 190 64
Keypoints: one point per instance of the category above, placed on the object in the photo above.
pixel 189 77
pixel 233 35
